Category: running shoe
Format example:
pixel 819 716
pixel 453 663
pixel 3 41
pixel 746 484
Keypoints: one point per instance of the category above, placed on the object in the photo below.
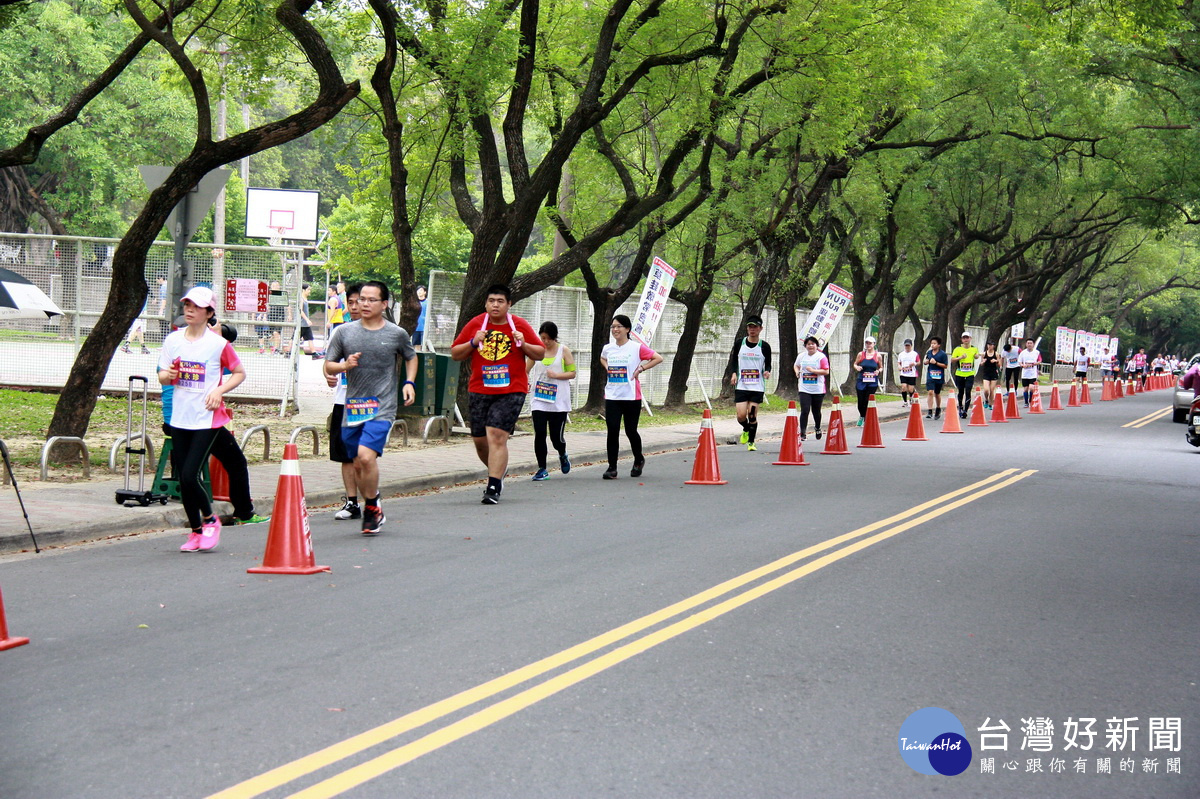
pixel 349 510
pixel 929 414
pixel 818 434
pixel 125 348
pixel 611 473
pixel 192 544
pixel 565 463
pixel 638 463
pixel 254 519
pixel 210 535
pixel 372 519
pixel 491 497
pixel 541 474
pixel 145 351
pixel 804 436
pixel 751 448
pixel 859 423
pixel 744 438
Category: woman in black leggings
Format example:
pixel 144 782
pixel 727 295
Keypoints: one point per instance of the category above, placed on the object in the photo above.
pixel 624 360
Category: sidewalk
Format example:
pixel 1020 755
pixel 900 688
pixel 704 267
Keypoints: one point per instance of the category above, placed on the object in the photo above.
pixel 63 514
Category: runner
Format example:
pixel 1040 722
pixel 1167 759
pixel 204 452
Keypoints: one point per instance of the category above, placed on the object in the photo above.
pixel 811 367
pixel 1081 366
pixel 1108 364
pixel 551 380
pixel 937 362
pixel 750 379
pixel 366 351
pixel 1139 366
pixel 1159 364
pixel 1029 360
pixel 868 364
pixel 191 360
pixel 910 365
pixel 337 447
pixel 497 344
pixel 989 372
pixel 1012 366
pixel 963 359
pixel 624 360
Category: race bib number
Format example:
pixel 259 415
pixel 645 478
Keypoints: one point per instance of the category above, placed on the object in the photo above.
pixel 751 375
pixel 191 376
pixel 868 377
pixel 545 390
pixel 618 374
pixel 935 374
pixel 361 409
pixel 496 375
pixel 809 380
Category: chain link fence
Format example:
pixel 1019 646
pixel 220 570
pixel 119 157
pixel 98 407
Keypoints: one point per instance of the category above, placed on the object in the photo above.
pixel 569 308
pixel 76 272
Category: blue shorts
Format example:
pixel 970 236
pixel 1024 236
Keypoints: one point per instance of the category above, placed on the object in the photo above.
pixel 371 434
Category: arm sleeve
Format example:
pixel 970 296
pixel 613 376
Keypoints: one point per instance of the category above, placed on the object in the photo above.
pixel 405 347
pixel 334 351
pixel 645 353
pixel 165 356
pixel 767 356
pixel 229 357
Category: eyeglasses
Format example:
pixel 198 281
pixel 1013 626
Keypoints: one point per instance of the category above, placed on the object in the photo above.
pixel 370 299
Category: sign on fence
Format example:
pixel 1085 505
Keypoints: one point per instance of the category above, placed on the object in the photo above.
pixel 246 295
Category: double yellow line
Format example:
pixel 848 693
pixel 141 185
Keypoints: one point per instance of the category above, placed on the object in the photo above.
pixel 853 541
pixel 1148 418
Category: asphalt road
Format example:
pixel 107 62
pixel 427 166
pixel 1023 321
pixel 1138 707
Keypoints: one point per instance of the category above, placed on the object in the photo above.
pixel 585 638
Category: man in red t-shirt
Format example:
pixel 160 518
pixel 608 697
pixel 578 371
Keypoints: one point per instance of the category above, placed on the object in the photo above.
pixel 497 344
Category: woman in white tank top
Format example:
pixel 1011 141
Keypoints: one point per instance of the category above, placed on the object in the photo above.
pixel 550 384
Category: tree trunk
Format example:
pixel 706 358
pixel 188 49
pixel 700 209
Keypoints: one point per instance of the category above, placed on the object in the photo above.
pixel 681 367
pixel 785 306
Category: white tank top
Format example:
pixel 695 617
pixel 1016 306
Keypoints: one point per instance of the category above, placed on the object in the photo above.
pixel 751 364
pixel 549 395
pixel 622 361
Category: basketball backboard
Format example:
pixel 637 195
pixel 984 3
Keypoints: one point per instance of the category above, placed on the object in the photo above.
pixel 282 214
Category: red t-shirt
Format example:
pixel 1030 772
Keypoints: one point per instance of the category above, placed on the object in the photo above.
pixel 497 367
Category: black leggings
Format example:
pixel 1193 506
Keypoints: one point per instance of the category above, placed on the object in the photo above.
pixel 614 412
pixel 554 423
pixel 1012 378
pixel 864 396
pixel 225 449
pixel 189 451
pixel 810 402
pixel 964 391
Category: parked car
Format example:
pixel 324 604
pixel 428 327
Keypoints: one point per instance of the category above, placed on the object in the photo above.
pixel 1183 396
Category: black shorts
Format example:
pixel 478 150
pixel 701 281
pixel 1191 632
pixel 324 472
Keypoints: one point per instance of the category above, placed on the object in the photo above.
pixel 935 386
pixel 337 447
pixel 747 396
pixel 1081 375
pixel 1026 382
pixel 494 410
pixel 908 381
pixel 306 333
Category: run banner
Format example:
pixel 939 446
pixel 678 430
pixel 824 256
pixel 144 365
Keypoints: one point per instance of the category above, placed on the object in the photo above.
pixel 653 301
pixel 825 316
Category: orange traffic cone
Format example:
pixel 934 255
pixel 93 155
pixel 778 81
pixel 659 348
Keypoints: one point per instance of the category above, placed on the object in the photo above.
pixel 916 428
pixel 218 478
pixel 705 470
pixel 998 415
pixel 872 438
pixel 5 641
pixel 1106 394
pixel 1073 400
pixel 977 416
pixel 792 451
pixel 289 541
pixel 1035 400
pixel 1055 399
pixel 835 439
pixel 1011 411
pixel 1118 388
pixel 951 423
pixel 1085 393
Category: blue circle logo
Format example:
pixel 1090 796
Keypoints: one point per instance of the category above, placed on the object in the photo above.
pixel 934 741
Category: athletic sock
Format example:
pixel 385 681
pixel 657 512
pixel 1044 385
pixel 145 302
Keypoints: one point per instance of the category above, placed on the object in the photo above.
pixel 494 484
pixel 753 432
pixel 352 500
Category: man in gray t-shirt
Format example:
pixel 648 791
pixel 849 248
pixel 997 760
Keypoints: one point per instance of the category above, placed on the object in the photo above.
pixel 366 351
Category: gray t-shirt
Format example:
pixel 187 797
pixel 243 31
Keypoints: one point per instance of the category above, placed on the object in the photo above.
pixel 372 389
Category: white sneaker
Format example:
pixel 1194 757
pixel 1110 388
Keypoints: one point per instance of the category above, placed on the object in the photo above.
pixel 350 510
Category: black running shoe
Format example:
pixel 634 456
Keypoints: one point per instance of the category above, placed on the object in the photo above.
pixel 490 497
pixel 611 473
pixel 372 519
pixel 638 463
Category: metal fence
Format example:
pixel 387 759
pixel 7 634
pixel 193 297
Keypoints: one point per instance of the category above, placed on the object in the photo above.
pixel 569 308
pixel 76 273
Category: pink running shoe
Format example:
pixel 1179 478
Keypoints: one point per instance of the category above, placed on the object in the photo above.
pixel 210 535
pixel 192 544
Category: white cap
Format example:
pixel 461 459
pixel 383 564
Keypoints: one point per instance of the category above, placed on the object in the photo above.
pixel 201 297
pixel 870 339
pixel 965 334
